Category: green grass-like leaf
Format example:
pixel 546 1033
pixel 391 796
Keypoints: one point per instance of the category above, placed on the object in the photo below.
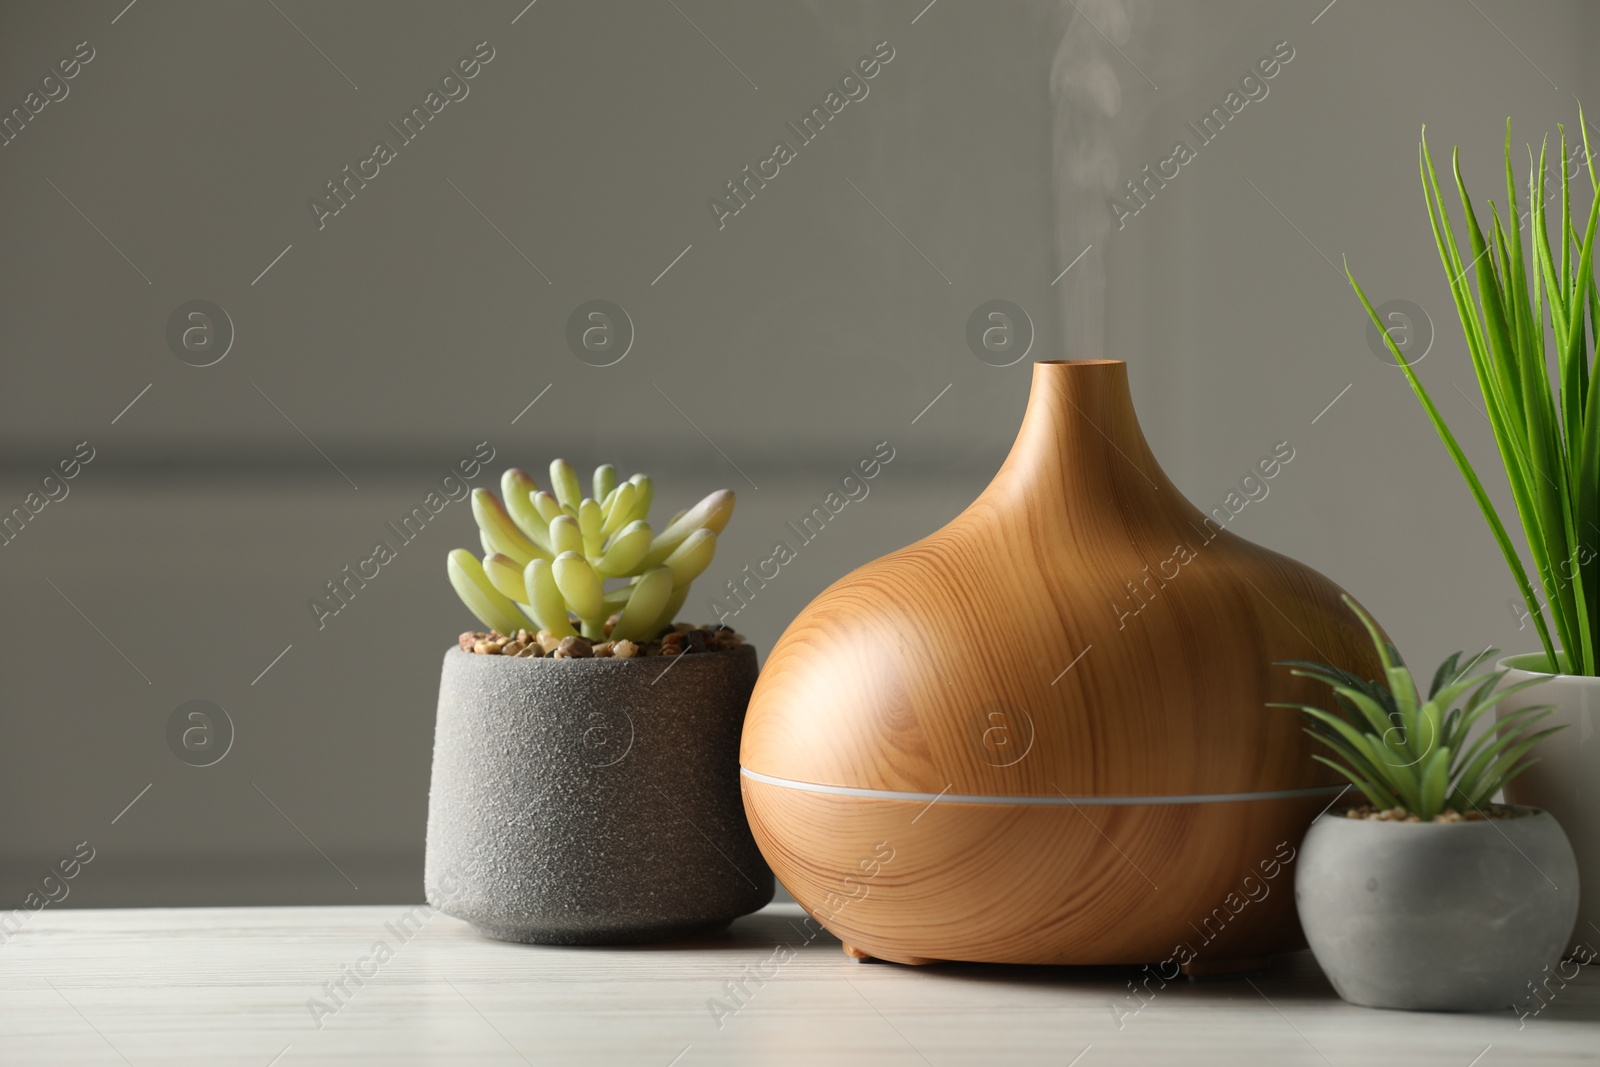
pixel 1543 407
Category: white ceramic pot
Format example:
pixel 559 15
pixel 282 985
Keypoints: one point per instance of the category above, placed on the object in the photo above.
pixel 1566 780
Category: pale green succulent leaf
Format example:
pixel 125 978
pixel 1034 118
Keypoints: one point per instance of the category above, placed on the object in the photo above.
pixel 565 535
pixel 647 599
pixel 644 491
pixel 492 608
pixel 505 574
pixel 670 613
pixel 548 506
pixel 580 586
pixel 517 490
pixel 623 555
pixel 712 514
pixel 545 601
pixel 557 550
pixel 605 480
pixel 564 483
pixel 691 558
pixel 618 509
pixel 590 522
pixel 499 531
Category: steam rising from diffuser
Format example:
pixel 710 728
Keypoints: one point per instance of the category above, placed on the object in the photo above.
pixel 1088 96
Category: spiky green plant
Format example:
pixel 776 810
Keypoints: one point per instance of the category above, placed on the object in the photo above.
pixel 1404 751
pixel 1549 444
pixel 560 558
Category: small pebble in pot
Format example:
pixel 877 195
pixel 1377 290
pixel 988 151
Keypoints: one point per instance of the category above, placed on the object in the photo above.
pixel 723 639
pixel 574 648
pixel 680 639
pixel 1400 814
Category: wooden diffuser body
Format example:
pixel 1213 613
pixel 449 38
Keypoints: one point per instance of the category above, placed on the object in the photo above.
pixel 1040 735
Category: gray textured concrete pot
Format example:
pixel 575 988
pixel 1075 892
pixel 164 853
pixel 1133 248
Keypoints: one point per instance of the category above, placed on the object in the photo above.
pixel 1564 780
pixel 1436 916
pixel 586 802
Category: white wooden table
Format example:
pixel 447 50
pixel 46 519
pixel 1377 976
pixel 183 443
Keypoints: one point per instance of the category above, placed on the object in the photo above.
pixel 234 986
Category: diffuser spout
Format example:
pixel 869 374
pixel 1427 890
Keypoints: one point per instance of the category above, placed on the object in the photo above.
pixel 1080 432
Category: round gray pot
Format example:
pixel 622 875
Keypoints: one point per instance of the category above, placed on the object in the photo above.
pixel 1436 916
pixel 592 801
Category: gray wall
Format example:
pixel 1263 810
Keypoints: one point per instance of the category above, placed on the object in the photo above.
pixel 821 319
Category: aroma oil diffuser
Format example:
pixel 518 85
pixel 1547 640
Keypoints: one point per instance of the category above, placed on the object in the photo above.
pixel 1041 734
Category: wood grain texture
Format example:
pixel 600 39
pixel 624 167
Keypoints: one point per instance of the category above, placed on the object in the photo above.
pixel 1081 630
pixel 915 883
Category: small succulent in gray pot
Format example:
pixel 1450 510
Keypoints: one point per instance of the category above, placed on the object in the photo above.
pixel 586 755
pixel 1430 896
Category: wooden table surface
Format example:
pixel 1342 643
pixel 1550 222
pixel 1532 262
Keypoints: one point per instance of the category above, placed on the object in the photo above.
pixel 241 986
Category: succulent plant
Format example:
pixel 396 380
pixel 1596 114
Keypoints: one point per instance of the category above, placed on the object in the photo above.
pixel 1402 751
pixel 568 562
